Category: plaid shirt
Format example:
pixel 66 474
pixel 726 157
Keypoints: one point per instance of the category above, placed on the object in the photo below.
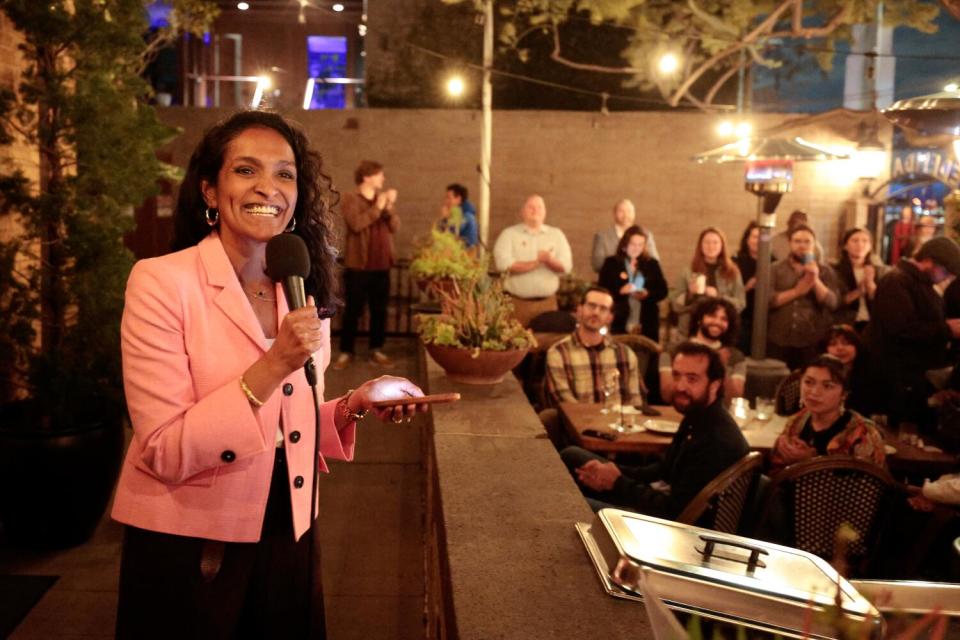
pixel 576 372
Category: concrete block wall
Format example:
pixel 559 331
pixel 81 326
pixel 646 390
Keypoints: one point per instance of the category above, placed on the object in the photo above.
pixel 580 162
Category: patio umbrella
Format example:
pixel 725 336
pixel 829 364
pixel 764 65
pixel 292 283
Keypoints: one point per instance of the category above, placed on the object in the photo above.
pixel 796 149
pixel 934 114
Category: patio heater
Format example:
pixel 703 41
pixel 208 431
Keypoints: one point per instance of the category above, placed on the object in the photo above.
pixel 768 175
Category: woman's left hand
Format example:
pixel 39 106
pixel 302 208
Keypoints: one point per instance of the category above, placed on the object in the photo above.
pixel 388 388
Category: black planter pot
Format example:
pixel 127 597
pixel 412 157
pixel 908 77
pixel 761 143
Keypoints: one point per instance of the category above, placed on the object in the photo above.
pixel 55 484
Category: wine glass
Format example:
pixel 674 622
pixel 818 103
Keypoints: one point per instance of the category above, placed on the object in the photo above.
pixel 610 386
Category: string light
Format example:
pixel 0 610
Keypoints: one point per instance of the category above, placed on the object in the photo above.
pixel 668 63
pixel 455 86
pixel 243 6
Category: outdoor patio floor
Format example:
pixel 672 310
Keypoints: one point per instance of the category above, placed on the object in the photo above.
pixel 372 532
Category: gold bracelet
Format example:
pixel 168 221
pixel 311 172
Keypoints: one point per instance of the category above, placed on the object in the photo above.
pixel 254 400
pixel 343 408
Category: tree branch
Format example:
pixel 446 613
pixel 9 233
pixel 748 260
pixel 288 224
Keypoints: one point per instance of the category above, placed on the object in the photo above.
pixel 759 59
pixel 771 20
pixel 708 99
pixel 557 56
pixel 713 21
pixel 684 87
pixel 816 32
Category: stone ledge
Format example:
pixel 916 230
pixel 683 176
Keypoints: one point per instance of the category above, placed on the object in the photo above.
pixel 510 564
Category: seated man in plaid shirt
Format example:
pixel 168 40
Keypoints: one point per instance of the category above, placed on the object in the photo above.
pixel 581 364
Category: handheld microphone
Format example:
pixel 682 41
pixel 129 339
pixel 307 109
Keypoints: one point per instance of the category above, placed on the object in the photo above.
pixel 288 262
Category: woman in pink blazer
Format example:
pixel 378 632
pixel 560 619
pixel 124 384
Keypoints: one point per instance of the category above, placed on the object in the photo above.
pixel 216 486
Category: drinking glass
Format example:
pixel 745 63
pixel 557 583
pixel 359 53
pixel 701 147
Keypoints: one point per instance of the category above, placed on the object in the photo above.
pixel 740 410
pixel 765 408
pixel 609 388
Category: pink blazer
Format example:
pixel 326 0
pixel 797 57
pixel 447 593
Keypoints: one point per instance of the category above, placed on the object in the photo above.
pixel 201 457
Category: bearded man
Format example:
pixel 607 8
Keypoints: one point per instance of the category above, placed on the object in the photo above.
pixel 707 442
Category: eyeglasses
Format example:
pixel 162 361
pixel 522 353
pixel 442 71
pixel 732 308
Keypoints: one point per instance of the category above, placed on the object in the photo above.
pixel 597 307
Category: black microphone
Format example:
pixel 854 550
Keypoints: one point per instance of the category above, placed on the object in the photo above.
pixel 288 262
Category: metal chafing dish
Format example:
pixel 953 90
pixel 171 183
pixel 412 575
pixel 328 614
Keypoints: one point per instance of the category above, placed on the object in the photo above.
pixel 722 577
pixel 911 596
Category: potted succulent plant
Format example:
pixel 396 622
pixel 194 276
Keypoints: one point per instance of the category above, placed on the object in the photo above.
pixel 80 109
pixel 475 337
pixel 442 260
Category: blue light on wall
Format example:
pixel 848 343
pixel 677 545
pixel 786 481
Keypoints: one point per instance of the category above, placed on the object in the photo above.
pixel 159 12
pixel 327 58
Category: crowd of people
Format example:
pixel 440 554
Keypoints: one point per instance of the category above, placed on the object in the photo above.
pixel 231 429
pixel 860 337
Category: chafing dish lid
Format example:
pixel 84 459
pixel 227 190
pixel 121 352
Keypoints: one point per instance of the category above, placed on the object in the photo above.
pixel 780 571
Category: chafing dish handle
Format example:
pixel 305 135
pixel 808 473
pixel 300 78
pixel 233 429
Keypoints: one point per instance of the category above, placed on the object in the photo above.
pixel 711 541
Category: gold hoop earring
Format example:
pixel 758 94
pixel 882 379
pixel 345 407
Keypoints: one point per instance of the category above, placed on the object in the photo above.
pixel 212 216
pixel 292 225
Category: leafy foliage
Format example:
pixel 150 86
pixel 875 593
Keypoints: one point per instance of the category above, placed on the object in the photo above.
pixel 477 315
pixel 445 256
pixel 708 35
pixel 81 104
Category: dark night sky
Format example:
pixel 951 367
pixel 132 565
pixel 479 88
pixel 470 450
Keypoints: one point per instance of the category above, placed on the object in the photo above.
pixel 809 89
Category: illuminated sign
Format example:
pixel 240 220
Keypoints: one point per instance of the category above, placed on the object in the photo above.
pixel 769 176
pixel 928 162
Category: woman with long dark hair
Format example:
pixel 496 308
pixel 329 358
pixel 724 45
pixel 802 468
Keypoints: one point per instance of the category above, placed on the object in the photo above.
pixel 216 488
pixel 867 389
pixel 825 425
pixel 858 272
pixel 637 284
pixel 711 273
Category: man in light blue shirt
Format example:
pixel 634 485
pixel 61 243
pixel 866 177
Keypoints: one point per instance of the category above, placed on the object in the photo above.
pixel 458 215
pixel 533 255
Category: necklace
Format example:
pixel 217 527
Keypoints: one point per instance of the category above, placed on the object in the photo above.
pixel 259 295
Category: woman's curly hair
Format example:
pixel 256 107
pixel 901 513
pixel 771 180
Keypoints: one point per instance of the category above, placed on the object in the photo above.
pixel 315 198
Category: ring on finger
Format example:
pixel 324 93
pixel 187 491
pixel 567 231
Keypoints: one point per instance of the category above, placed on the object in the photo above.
pixel 397 419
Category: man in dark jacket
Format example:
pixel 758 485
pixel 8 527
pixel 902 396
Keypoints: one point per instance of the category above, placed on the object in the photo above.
pixel 908 332
pixel 707 442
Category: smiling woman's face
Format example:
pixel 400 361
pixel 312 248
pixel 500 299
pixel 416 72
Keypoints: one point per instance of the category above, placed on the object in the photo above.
pixel 256 189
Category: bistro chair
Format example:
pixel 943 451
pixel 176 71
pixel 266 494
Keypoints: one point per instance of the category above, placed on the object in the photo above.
pixel 787 401
pixel 648 351
pixel 817 496
pixel 553 322
pixel 719 505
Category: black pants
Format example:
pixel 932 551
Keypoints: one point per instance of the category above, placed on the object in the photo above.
pixel 362 288
pixel 261 591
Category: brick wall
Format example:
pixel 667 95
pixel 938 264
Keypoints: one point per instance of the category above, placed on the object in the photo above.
pixel 580 162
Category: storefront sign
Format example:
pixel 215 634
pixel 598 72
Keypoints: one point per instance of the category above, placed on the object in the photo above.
pixel 936 164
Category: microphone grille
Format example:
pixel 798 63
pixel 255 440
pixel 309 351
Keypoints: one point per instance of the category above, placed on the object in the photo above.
pixel 287 256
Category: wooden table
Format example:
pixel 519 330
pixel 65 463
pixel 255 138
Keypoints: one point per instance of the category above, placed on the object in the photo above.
pixel 578 417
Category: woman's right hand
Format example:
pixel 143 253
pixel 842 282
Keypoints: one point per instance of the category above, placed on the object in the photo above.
pixel 792 449
pixel 300 336
pixel 627 288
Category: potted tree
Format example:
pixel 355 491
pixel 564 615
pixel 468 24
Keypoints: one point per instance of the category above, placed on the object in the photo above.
pixel 81 108
pixel 442 260
pixel 474 337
